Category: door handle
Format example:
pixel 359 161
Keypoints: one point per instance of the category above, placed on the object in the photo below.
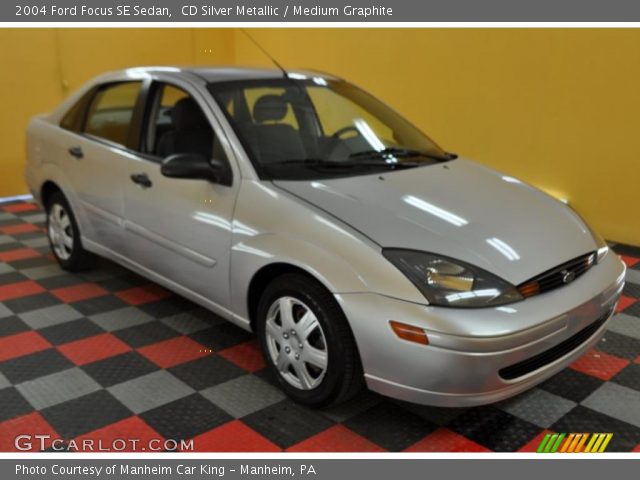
pixel 141 179
pixel 76 152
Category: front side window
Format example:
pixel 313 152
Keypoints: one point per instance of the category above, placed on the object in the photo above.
pixel 111 112
pixel 177 124
pixel 318 128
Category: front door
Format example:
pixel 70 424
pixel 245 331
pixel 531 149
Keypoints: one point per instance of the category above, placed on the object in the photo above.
pixel 179 229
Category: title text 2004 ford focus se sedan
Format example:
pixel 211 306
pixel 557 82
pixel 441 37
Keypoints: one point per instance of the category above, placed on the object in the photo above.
pixel 300 207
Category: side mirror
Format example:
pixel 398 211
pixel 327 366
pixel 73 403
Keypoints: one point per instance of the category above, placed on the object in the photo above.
pixel 195 166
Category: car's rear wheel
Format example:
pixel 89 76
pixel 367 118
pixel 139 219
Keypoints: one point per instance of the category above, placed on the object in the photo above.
pixel 64 235
pixel 307 342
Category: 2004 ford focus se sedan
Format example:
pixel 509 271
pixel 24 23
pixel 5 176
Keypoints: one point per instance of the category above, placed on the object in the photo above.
pixel 302 208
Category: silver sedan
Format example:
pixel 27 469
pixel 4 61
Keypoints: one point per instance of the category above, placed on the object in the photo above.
pixel 302 208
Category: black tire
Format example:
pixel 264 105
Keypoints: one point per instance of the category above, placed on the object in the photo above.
pixel 78 258
pixel 343 377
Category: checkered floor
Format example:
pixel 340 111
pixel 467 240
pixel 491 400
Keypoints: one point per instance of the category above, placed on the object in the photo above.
pixel 106 354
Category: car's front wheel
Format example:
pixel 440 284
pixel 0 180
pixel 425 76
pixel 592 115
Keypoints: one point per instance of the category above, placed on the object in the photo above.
pixel 307 342
pixel 64 236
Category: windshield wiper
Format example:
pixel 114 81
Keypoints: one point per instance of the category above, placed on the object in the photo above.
pixel 402 153
pixel 320 162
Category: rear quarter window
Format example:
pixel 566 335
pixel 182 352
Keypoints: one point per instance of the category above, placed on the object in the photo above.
pixel 111 112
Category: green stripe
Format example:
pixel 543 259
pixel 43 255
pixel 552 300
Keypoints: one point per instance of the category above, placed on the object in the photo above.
pixel 550 443
pixel 558 442
pixel 543 443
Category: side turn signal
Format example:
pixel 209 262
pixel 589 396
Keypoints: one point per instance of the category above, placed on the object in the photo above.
pixel 409 332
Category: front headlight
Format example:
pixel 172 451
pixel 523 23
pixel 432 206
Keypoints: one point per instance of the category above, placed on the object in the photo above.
pixel 451 283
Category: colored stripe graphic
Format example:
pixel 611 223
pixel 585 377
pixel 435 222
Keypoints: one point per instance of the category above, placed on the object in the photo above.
pixel 574 442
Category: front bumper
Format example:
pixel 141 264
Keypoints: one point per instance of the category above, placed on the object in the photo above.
pixel 469 347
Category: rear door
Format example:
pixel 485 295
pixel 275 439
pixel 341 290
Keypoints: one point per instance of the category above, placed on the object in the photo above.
pixel 99 157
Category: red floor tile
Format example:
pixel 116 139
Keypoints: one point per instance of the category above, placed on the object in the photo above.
pixel 246 355
pixel 19 228
pixel 18 254
pixel 19 289
pixel 534 443
pixel 336 439
pixel 625 302
pixel 77 293
pixel 234 436
pixel 20 207
pixel 599 364
pixel 21 344
pixel 117 438
pixel 174 351
pixel 93 349
pixel 629 261
pixel 31 424
pixel 145 294
pixel 444 440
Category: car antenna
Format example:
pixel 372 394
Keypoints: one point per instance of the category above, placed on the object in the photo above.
pixel 253 40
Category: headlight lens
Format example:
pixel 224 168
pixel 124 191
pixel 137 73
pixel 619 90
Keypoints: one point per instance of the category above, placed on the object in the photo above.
pixel 451 283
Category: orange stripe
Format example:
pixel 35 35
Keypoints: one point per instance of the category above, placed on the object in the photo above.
pixel 576 439
pixel 581 444
pixel 567 442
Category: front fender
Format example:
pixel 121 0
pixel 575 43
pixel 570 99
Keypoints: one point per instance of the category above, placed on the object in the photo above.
pixel 253 254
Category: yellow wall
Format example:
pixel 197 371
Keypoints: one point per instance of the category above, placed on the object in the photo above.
pixel 40 67
pixel 556 107
pixel 559 108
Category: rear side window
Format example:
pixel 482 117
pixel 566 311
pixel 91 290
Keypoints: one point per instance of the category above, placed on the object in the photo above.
pixel 111 112
pixel 74 117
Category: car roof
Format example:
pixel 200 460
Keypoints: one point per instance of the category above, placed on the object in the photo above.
pixel 230 73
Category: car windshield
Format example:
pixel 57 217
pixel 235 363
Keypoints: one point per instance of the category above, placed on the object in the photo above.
pixel 314 128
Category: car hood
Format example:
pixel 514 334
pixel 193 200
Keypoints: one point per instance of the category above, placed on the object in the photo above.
pixel 459 209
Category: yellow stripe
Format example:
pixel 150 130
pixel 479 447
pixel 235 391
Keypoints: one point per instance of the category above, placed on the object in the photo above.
pixel 572 447
pixel 594 448
pixel 606 442
pixel 567 442
pixel 592 440
pixel 579 446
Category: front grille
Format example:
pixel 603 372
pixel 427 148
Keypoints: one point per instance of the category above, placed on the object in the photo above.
pixel 554 353
pixel 558 276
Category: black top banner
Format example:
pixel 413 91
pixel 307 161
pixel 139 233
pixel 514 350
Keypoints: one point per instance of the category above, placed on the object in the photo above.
pixel 320 11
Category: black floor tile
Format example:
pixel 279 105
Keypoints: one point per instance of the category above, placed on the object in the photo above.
pixel 221 336
pixel 287 423
pixel 185 418
pixel 85 414
pixel 572 385
pixel 391 426
pixel 13 404
pixel 70 331
pixel 629 376
pixel 35 365
pixel 583 419
pixel 118 369
pixel 145 334
pixel 12 325
pixel 206 372
pixel 102 304
pixel 621 346
pixel 31 302
pixel 495 429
